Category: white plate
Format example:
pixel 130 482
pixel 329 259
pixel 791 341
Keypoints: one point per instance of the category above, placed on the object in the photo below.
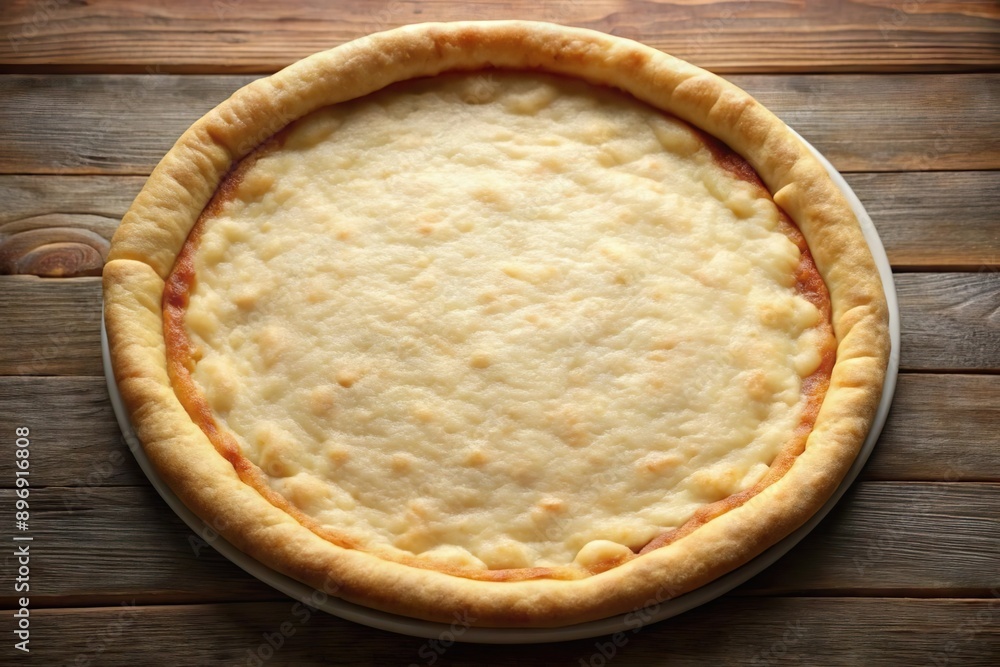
pixel 625 622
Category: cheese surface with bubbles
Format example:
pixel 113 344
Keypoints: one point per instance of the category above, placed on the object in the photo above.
pixel 500 320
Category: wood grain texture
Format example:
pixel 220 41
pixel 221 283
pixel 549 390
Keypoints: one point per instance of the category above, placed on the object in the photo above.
pixel 123 124
pixel 54 252
pixel 832 632
pixel 941 427
pixel 933 220
pixel 927 220
pixel 73 426
pixel 263 36
pixel 102 124
pixel 885 538
pixel 950 321
pixel 94 545
pixel 920 149
pixel 50 327
pixel 60 226
pixel 910 539
pixel 94 203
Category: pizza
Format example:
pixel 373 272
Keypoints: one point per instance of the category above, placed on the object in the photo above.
pixel 511 320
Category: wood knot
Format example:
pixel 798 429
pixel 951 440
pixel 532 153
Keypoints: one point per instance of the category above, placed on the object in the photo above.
pixel 54 252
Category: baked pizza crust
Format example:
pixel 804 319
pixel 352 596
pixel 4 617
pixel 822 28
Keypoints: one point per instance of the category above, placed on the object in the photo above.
pixel 155 228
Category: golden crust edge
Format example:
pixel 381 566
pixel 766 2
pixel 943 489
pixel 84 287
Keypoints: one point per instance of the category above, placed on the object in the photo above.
pixel 155 228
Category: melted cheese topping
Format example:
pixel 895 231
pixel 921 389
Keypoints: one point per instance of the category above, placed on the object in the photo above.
pixel 500 320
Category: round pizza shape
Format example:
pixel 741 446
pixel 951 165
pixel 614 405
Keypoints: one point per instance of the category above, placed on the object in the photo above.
pixel 523 322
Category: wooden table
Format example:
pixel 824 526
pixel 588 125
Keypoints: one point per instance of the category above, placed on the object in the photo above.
pixel 902 95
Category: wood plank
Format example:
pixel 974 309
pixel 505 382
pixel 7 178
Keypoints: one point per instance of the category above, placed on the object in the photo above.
pixel 61 226
pixel 933 220
pixel 73 429
pixel 726 632
pixel 950 322
pixel 885 538
pixel 927 126
pixel 148 552
pixel 93 203
pixel 123 124
pixel 897 538
pixel 50 327
pixel 100 124
pixel 262 36
pixel 944 220
pixel 55 252
pixel 941 428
